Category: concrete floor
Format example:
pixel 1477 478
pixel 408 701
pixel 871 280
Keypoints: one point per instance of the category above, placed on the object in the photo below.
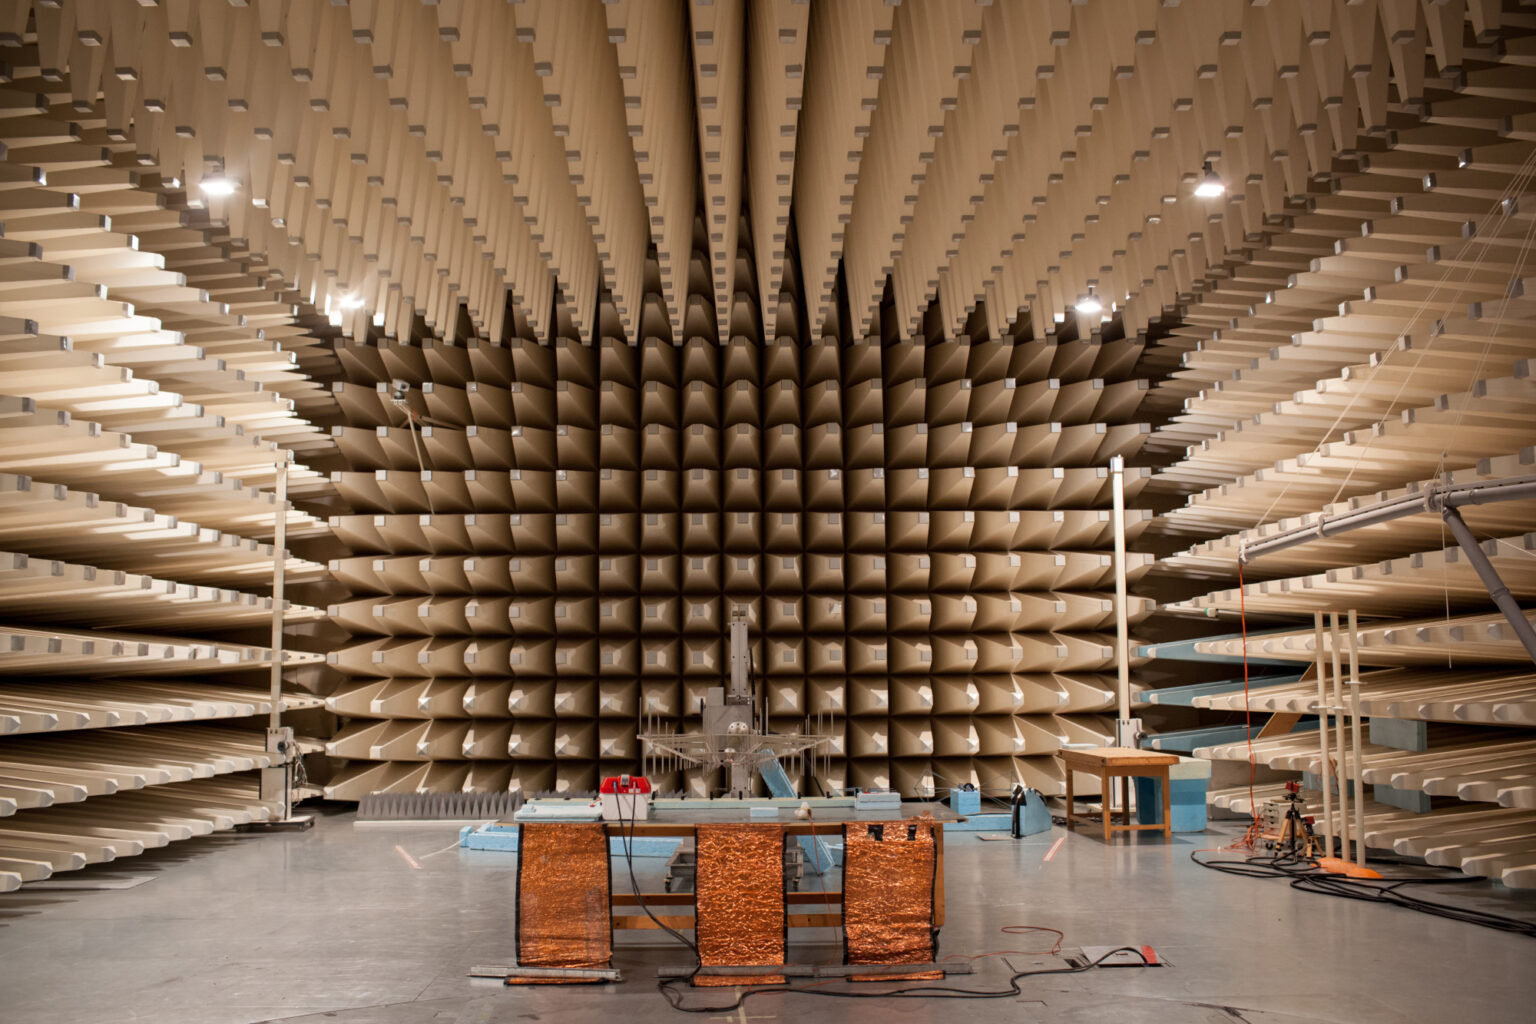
pixel 334 926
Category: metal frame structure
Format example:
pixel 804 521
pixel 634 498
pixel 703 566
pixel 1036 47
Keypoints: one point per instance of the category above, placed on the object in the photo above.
pixel 1444 500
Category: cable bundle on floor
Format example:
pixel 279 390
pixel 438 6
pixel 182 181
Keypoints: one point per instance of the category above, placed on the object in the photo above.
pixel 1306 876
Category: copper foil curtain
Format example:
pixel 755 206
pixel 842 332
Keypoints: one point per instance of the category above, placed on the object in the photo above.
pixel 888 874
pixel 564 896
pixel 740 900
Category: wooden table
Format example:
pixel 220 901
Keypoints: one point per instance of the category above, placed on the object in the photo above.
pixel 1123 763
pixel 807 909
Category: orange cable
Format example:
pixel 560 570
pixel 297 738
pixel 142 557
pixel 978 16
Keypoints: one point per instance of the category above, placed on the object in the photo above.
pixel 1020 929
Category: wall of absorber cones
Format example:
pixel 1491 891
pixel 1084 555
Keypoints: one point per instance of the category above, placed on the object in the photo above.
pixel 585 329
pixel 548 540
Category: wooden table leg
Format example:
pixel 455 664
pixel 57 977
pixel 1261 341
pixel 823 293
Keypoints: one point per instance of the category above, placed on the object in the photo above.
pixel 1107 789
pixel 1069 800
pixel 1167 804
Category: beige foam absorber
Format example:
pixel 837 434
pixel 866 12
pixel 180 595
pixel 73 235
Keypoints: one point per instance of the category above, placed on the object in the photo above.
pixel 1046 775
pixel 618 698
pixel 870 773
pixel 145 420
pixel 575 739
pixel 42 520
pixel 616 741
pixel 995 776
pixel 485 740
pixel 914 775
pixel 486 698
pixel 615 432
pixel 911 696
pixel 399 699
pixel 532 739
pixel 533 698
pixel 576 695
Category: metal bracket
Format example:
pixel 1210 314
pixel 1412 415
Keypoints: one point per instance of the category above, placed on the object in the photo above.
pixel 593 974
pixel 812 970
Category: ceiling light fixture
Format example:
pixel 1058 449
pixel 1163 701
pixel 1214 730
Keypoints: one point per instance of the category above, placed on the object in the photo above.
pixel 218 185
pixel 1211 184
pixel 351 300
pixel 1089 304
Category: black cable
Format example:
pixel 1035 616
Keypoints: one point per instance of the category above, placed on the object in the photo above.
pixel 1306 876
pixel 626 840
pixel 674 999
pixel 1350 888
pixel 922 991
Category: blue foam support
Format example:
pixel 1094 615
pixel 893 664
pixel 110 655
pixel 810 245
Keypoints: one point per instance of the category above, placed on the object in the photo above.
pixel 1186 798
pixel 504 839
pixel 818 854
pixel 1034 816
pixel 981 823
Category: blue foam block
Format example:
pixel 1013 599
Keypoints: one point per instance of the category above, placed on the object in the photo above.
pixel 1186 797
pixel 1034 817
pixel 981 823
pixel 503 839
pixel 965 801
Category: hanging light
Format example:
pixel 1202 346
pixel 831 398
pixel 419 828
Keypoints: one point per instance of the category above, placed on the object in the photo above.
pixel 1089 304
pixel 218 185
pixel 1211 184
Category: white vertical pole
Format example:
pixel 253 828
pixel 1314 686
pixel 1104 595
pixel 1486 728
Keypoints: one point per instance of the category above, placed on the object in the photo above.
pixel 1322 730
pixel 1122 628
pixel 1354 719
pixel 279 560
pixel 279 542
pixel 1338 700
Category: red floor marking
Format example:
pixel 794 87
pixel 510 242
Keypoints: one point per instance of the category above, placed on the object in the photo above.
pixel 1048 855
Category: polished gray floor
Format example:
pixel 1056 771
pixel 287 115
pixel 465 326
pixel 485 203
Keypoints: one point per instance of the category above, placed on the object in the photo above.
pixel 335 926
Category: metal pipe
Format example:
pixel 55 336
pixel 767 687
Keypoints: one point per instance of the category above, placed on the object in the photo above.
pixel 1433 499
pixel 811 970
pixel 1122 627
pixel 1490 577
pixel 546 973
pixel 1322 730
pixel 1354 725
pixel 1338 701
pixel 1515 488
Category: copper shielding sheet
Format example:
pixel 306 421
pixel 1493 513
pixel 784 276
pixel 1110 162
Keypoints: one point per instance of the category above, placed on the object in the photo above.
pixel 739 900
pixel 564 896
pixel 888 874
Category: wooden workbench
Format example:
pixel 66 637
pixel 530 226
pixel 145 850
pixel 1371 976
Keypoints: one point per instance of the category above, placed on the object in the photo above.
pixel 1123 763
pixel 823 909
